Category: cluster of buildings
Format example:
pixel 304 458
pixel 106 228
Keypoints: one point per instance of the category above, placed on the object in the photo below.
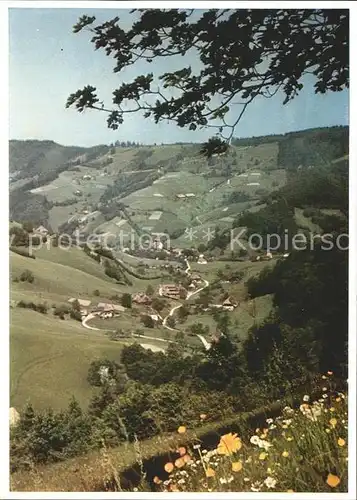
pixel 102 309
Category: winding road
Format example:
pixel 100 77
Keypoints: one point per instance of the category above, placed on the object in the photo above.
pixel 153 347
pixel 206 344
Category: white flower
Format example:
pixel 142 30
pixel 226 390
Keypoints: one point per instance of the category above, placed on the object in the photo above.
pixel 211 453
pixel 249 459
pixel 204 452
pixel 269 420
pixel 135 489
pixel 223 480
pixel 272 426
pixel 246 479
pixel 255 440
pixel 230 479
pixel 287 421
pixel 324 389
pixel 181 481
pixel 306 398
pixel 287 409
pixel 325 396
pixel 264 444
pixel 196 446
pixel 270 482
pixel 256 486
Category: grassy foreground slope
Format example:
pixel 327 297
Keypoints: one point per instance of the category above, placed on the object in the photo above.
pixel 295 449
pixel 50 359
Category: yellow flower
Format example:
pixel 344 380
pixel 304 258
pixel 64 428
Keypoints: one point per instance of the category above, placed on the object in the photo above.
pixel 229 444
pixel 157 480
pixel 181 429
pixel 333 422
pixel 182 451
pixel 285 454
pixel 333 480
pixel 169 467
pixel 210 472
pixel 289 438
pixel 179 463
pixel 332 409
pixel 263 455
pixel 289 491
pixel 237 466
pixel 328 431
pixel 324 377
pixel 341 442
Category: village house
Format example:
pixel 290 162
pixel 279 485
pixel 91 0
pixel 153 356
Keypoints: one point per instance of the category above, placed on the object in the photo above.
pixel 142 298
pixel 41 231
pixel 172 291
pixel 229 304
pixel 107 310
pixel 106 307
pixel 201 259
pixel 81 302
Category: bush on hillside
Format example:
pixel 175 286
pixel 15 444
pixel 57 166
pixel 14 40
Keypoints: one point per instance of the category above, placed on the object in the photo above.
pixel 126 300
pixel 41 308
pixel 28 276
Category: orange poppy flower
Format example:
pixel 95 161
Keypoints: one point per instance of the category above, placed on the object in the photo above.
pixel 169 467
pixel 179 463
pixel 182 451
pixel 229 443
pixel 341 442
pixel 210 472
pixel 237 466
pixel 157 480
pixel 186 458
pixel 333 480
pixel 333 422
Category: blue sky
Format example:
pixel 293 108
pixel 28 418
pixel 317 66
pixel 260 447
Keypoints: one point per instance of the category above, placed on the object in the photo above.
pixel 48 62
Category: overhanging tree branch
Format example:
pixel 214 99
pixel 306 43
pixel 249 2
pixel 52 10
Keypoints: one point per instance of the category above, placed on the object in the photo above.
pixel 239 53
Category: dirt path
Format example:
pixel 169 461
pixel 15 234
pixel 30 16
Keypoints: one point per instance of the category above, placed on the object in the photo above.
pixel 206 344
pixel 146 345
